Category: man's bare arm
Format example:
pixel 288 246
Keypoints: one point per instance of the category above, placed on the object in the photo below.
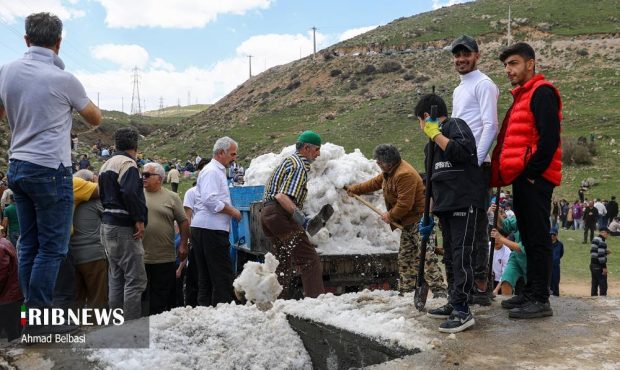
pixel 91 114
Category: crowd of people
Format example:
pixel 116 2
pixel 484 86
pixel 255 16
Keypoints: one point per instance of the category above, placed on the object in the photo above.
pixel 131 240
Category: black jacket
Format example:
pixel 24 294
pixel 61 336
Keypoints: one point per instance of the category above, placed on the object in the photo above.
pixel 457 180
pixel 121 192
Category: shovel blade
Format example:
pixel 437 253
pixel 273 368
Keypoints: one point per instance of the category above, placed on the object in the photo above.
pixel 420 296
pixel 320 219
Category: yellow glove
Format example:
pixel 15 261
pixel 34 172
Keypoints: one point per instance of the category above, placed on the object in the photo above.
pixel 431 128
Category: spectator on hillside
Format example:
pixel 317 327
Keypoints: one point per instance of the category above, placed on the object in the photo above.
pixel 87 252
pixel 569 219
pixel 558 252
pixel 578 215
pixel 173 179
pixel 564 206
pixel 581 193
pixel 10 294
pixel 84 163
pixel 598 263
pixel 164 208
pixel 614 227
pixel 10 221
pixel 590 216
pixel 123 222
pixel 515 271
pixel 612 208
pixel 39 97
pixel 555 213
pixel 602 213
pixel 105 153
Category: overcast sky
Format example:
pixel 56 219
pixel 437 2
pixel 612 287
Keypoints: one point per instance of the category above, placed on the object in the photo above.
pixel 191 50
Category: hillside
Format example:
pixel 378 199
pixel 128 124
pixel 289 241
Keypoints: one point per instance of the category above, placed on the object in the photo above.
pixel 178 111
pixel 361 92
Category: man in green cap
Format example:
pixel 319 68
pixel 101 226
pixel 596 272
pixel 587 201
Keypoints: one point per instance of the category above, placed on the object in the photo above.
pixel 284 222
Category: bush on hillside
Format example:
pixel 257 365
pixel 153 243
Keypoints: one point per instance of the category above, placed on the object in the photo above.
pixel 293 85
pixel 575 153
pixel 369 69
pixel 390 66
pixel 335 72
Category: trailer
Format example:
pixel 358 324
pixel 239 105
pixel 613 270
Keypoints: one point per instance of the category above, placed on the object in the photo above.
pixel 342 273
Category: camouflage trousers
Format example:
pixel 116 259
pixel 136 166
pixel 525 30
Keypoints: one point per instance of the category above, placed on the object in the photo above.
pixel 409 260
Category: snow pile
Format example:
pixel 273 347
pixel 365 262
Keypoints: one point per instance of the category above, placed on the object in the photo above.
pixel 225 337
pixel 380 314
pixel 258 282
pixel 354 228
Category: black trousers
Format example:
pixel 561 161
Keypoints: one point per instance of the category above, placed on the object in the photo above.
pixel 590 228
pixel 174 186
pixel 481 241
pixel 599 281
pixel 190 292
pixel 215 275
pixel 532 207
pixel 458 229
pixel 160 287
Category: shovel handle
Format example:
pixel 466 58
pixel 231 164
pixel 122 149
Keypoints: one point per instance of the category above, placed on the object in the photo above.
pixel 377 211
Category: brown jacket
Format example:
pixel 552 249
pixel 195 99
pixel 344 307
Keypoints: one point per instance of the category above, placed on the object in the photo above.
pixel 403 192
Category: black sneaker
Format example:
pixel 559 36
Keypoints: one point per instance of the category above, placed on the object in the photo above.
pixel 514 302
pixel 531 310
pixel 480 298
pixel 457 322
pixel 442 312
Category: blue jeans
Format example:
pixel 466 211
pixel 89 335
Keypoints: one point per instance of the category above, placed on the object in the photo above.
pixel 44 200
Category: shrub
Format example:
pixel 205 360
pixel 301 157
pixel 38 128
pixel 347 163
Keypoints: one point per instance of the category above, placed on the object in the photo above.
pixel 293 85
pixel 390 66
pixel 335 72
pixel 573 152
pixel 369 69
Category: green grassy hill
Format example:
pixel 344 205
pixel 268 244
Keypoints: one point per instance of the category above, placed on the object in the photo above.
pixel 178 111
pixel 360 92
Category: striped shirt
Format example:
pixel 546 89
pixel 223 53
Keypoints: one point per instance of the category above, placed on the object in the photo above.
pixel 290 178
pixel 598 251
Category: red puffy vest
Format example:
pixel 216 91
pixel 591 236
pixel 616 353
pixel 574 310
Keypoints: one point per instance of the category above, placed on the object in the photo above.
pixel 518 138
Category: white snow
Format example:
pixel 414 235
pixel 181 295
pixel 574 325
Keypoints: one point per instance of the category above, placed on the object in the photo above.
pixel 225 337
pixel 354 228
pixel 243 337
pixel 258 282
pixel 382 315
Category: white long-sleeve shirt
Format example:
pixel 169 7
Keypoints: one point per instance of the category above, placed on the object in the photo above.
pixel 212 194
pixel 475 101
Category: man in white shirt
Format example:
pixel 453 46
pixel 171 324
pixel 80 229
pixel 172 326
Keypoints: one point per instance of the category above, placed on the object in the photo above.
pixel 212 213
pixel 475 101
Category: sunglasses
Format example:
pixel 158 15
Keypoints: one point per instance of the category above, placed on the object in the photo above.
pixel 146 175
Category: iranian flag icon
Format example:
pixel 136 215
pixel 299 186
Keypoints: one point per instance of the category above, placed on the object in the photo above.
pixel 23 316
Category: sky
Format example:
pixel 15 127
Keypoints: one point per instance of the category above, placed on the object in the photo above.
pixel 191 51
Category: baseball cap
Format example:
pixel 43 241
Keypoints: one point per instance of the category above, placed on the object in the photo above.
pixel 467 42
pixel 310 137
pixel 604 228
pixel 554 231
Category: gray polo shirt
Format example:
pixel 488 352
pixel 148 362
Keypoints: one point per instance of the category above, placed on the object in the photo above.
pixel 38 97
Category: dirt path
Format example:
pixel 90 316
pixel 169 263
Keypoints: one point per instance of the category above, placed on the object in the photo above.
pixel 584 333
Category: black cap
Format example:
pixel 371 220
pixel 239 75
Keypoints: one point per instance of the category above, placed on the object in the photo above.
pixel 467 42
pixel 604 228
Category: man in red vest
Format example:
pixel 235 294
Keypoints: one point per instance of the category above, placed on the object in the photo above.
pixel 528 155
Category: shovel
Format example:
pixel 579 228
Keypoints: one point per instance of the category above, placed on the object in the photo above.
pixel 320 219
pixel 421 290
pixel 369 205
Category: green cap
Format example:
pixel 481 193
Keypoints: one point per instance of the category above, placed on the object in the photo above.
pixel 310 137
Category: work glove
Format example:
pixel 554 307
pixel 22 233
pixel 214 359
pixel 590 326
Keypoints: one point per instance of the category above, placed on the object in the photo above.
pixel 431 128
pixel 425 228
pixel 300 218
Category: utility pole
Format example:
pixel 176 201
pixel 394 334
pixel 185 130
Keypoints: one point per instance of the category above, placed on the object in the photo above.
pixel 314 41
pixel 161 105
pixel 123 104
pixel 250 63
pixel 135 96
pixel 97 100
pixel 509 25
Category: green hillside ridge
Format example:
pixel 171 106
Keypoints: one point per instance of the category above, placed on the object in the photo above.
pixel 178 111
pixel 358 99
